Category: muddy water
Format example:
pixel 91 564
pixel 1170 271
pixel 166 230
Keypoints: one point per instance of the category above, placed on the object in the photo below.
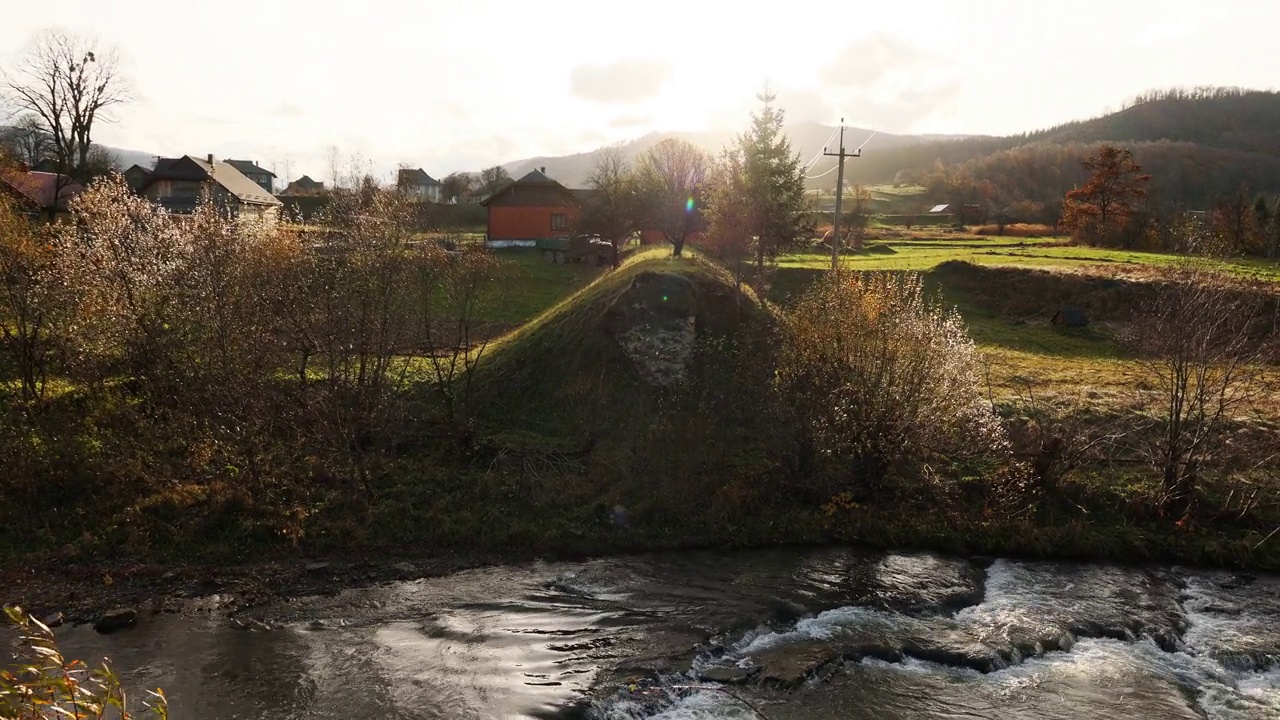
pixel 827 633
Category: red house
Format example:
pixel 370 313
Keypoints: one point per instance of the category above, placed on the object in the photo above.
pixel 33 192
pixel 533 208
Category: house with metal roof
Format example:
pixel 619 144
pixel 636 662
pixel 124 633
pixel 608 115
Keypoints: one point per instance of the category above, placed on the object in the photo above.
pixel 177 183
pixel 38 194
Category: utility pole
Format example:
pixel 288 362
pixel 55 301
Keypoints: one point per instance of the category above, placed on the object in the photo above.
pixel 835 230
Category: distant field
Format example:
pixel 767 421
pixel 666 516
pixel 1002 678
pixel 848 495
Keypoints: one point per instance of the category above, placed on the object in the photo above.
pixel 924 252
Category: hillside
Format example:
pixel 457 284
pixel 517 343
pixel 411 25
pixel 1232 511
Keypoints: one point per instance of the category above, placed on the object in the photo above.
pixel 807 139
pixel 1198 144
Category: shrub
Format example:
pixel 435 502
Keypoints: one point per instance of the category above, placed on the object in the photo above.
pixel 883 381
pixel 46 686
pixel 1022 230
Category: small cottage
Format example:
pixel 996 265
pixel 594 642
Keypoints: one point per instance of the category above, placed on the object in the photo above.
pixel 533 208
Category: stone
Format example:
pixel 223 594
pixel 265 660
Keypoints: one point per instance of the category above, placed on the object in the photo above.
pixel 114 620
pixel 728 675
pixel 55 620
pixel 788 666
pixel 407 569
pixel 317 568
pixel 169 576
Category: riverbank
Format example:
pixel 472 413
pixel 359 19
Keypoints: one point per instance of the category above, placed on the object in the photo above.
pixel 639 413
pixel 80 591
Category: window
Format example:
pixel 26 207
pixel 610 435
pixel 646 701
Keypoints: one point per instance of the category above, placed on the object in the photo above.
pixel 559 221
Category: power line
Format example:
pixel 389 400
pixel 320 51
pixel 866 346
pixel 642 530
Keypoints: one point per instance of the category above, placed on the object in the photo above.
pixel 809 165
pixel 815 177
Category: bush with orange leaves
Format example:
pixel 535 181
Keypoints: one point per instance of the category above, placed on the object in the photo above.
pixel 884 382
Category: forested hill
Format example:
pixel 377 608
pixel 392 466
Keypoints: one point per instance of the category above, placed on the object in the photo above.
pixel 1227 118
pixel 1199 146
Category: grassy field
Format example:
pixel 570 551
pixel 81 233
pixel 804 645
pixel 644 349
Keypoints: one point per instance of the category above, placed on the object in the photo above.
pixel 925 250
pixel 1025 354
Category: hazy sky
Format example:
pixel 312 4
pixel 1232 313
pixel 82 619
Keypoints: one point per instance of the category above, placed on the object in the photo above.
pixel 460 84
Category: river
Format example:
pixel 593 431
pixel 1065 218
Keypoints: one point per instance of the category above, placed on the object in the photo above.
pixel 809 633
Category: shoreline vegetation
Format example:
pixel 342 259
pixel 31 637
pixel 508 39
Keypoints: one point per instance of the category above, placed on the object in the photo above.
pixel 218 401
pixel 567 441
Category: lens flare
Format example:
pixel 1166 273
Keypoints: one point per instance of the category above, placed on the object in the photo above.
pixel 688 204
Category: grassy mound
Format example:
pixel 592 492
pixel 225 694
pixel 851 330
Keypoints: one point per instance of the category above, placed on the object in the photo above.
pixel 607 356
pixel 649 388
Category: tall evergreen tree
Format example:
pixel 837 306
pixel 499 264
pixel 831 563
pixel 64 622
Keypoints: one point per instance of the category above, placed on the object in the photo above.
pixel 774 183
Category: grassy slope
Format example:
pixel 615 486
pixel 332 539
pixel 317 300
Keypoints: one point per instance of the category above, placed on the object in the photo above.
pixel 694 482
pixel 566 428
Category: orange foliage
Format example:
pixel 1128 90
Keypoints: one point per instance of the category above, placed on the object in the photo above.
pixel 1022 230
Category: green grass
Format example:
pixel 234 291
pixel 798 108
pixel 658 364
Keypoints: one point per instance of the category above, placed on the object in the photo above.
pixel 530 286
pixel 926 251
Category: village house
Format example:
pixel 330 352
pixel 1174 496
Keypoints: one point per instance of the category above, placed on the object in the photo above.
pixel 419 184
pixel 38 194
pixel 304 186
pixel 262 176
pixel 533 208
pixel 176 184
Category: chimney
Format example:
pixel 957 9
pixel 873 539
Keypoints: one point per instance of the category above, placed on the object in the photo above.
pixel 543 169
pixel 210 158
pixel 23 167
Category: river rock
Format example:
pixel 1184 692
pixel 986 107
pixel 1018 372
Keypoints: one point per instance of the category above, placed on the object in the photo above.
pixel 117 619
pixel 954 650
pixel 251 624
pixel 317 568
pixel 55 620
pixel 788 666
pixel 728 674
pixel 405 569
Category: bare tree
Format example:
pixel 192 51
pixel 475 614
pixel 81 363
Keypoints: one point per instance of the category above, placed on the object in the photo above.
pixel 334 158
pixel 669 177
pixel 28 141
pixel 610 210
pixel 858 217
pixel 69 83
pixel 458 187
pixel 1200 355
pixel 493 179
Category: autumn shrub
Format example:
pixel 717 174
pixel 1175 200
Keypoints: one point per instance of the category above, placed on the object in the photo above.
pixel 1020 230
pixel 885 384
pixel 25 308
pixel 42 685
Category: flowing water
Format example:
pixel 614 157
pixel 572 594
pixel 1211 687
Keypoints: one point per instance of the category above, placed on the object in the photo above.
pixel 825 633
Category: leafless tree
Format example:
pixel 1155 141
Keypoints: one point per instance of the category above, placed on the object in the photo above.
pixel 610 212
pixel 28 141
pixel 668 178
pixel 334 158
pixel 1200 349
pixel 493 179
pixel 458 187
pixel 69 83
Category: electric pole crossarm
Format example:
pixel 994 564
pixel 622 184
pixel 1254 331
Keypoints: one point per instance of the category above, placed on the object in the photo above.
pixel 835 225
